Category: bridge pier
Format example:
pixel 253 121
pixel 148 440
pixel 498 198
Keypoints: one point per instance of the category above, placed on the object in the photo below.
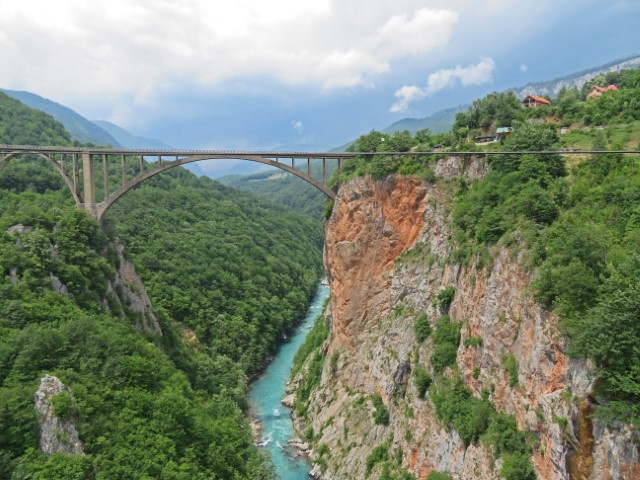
pixel 89 192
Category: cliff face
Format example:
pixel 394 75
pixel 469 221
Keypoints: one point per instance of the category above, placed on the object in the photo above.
pixel 387 255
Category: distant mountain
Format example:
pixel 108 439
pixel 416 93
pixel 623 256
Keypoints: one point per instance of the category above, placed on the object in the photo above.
pixel 442 120
pixel 439 122
pixel 127 139
pixel 576 80
pixel 79 127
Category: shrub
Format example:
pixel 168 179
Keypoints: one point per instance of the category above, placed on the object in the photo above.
pixel 422 380
pixel 327 209
pixel 445 343
pixel 517 466
pixel 64 405
pixel 377 455
pixel 511 366
pixel 381 415
pixel 473 342
pixel 444 298
pixel 439 476
pixel 422 327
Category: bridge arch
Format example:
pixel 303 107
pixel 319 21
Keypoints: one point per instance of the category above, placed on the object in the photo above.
pixel 101 208
pixel 4 161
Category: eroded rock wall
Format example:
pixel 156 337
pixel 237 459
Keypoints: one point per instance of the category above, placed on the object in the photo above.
pixel 388 253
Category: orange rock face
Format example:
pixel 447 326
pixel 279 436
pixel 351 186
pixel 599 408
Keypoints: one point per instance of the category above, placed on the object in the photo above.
pixel 368 230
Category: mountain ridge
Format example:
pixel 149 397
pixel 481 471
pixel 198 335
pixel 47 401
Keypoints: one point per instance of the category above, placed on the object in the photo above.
pixel 79 127
pixel 442 120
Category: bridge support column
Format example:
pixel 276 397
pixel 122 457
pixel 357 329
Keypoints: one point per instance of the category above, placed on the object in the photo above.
pixel 89 193
pixel 324 171
pixel 123 170
pixel 105 175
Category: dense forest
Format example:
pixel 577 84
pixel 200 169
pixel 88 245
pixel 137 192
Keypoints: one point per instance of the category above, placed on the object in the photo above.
pixel 285 189
pixel 228 274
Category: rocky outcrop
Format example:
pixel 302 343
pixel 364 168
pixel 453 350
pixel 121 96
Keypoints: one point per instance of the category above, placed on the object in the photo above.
pixel 126 292
pixel 57 435
pixel 388 254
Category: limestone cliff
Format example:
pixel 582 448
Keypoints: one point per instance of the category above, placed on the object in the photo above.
pixel 388 254
pixel 57 434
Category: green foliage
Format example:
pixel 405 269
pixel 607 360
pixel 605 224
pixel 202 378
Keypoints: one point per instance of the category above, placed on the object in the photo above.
pixel 422 327
pixel 433 475
pixel 445 343
pixel 227 274
pixel 381 414
pixel 286 189
pixel 378 455
pixel 381 166
pixel 493 111
pixel 456 406
pixel 611 338
pixel 236 270
pixel 335 356
pixel 21 125
pixel 520 192
pixel 511 366
pixel 444 298
pixel 422 380
pixel 476 419
pixel 64 405
pixel 473 342
pixel 328 209
pixel 309 353
pixel 517 466
pixel 312 343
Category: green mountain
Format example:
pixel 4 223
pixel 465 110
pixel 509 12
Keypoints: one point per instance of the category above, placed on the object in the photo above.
pixel 79 127
pixel 439 122
pixel 282 188
pixel 159 394
pixel 22 125
pixel 127 139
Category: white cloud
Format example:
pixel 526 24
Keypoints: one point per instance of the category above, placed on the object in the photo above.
pixel 71 48
pixel 298 126
pixel 524 67
pixel 477 74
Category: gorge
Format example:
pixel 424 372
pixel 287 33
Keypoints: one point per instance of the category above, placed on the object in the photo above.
pixel 393 403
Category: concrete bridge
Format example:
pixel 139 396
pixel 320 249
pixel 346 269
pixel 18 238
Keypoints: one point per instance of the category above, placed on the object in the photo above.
pixel 79 167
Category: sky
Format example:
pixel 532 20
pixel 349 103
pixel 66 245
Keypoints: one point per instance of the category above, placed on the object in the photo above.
pixel 295 74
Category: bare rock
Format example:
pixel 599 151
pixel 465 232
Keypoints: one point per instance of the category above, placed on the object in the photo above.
pixel 289 400
pixel 57 435
pixel 57 285
pixel 18 229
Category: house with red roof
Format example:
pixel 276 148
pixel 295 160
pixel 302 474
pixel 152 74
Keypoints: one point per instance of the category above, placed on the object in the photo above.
pixel 534 102
pixel 598 91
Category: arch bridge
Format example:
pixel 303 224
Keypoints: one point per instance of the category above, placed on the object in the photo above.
pixel 78 166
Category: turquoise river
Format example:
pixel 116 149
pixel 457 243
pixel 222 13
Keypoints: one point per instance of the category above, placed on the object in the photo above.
pixel 268 391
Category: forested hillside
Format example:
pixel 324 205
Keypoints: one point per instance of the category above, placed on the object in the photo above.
pixel 282 188
pixel 227 274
